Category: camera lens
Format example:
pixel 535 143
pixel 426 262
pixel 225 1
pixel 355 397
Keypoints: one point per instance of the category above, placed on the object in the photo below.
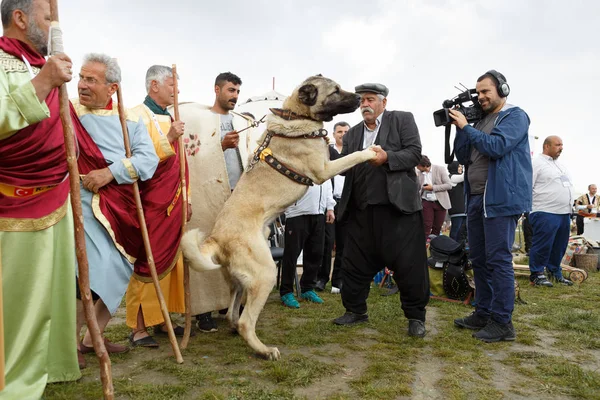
pixel 448 104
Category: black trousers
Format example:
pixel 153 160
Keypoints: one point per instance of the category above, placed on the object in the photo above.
pixel 527 232
pixel 340 240
pixel 579 223
pixel 381 236
pixel 325 269
pixel 303 233
pixel 334 233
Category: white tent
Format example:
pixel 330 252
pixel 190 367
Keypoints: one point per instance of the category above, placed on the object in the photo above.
pixel 259 106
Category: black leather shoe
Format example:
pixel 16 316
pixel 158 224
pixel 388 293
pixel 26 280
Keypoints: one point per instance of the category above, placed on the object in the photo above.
pixel 320 286
pixel 416 328
pixel 206 323
pixel 146 341
pixel 350 318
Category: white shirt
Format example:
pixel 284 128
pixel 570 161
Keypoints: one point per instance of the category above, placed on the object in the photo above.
pixel 551 186
pixel 338 181
pixel 456 179
pixel 428 195
pixel 316 200
pixel 371 135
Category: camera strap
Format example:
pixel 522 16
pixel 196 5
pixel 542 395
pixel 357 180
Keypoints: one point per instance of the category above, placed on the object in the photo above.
pixel 448 156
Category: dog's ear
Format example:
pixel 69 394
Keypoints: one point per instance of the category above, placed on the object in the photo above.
pixel 307 94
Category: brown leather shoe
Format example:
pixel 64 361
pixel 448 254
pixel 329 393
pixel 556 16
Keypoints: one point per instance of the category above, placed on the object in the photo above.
pixel 81 360
pixel 111 348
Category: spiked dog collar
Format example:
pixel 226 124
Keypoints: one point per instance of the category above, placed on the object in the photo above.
pixel 267 156
pixel 264 153
pixel 290 115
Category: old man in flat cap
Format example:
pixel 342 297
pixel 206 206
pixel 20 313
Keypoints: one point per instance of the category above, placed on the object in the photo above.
pixel 383 211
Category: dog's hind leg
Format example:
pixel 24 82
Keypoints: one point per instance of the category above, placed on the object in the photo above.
pixel 257 288
pixel 233 314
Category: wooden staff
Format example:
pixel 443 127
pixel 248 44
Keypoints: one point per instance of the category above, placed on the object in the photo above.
pixel 186 270
pixel 144 229
pixel 80 250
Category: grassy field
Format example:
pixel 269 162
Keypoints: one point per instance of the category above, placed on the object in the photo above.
pixel 556 355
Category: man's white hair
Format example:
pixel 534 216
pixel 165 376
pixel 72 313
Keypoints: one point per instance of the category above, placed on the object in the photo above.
pixel 113 71
pixel 158 73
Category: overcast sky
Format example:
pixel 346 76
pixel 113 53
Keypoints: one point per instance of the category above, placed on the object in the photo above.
pixel 548 50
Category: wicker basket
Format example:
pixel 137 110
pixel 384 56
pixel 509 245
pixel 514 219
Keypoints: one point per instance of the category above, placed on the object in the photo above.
pixel 588 262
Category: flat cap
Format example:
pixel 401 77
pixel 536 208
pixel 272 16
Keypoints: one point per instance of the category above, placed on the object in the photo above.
pixel 377 88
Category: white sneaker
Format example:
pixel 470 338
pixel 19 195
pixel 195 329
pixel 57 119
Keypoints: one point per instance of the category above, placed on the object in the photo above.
pixel 335 290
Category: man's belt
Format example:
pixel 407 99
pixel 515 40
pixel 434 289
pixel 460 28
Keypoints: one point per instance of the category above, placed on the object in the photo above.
pixel 20 191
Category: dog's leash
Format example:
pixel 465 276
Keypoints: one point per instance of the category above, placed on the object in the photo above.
pixel 254 124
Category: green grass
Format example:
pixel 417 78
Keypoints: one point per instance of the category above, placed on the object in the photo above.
pixel 556 354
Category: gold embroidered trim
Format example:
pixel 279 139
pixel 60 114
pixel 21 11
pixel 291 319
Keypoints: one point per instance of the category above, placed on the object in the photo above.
pixel 82 110
pixel 163 121
pixel 132 173
pixel 148 279
pixel 172 205
pixel 34 224
pixel 10 63
pixel 102 219
pixel 165 145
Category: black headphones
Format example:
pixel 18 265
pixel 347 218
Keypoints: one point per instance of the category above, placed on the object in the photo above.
pixel 501 85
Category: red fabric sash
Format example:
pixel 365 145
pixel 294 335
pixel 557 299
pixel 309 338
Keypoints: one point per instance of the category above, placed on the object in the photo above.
pixel 34 157
pixel 117 202
pixel 18 49
pixel 164 229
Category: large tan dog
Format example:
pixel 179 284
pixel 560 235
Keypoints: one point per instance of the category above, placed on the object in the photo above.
pixel 237 241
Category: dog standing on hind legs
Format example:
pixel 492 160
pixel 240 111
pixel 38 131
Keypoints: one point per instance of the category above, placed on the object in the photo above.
pixel 293 154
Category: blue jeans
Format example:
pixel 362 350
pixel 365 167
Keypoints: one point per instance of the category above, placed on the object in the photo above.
pixel 490 243
pixel 550 240
pixel 456 227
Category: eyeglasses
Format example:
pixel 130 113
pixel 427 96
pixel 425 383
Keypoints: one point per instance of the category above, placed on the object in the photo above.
pixel 90 81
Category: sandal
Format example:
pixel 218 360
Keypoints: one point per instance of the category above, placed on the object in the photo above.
pixel 147 341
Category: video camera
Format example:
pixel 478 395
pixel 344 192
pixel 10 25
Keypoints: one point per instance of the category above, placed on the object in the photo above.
pixel 472 113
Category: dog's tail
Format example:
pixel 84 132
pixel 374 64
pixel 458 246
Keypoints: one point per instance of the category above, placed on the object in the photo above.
pixel 198 251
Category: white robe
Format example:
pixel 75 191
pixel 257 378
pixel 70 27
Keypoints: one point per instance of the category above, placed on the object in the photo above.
pixel 209 189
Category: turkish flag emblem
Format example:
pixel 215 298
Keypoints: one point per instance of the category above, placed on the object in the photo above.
pixel 21 192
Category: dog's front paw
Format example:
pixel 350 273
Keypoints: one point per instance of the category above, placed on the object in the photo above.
pixel 272 354
pixel 370 153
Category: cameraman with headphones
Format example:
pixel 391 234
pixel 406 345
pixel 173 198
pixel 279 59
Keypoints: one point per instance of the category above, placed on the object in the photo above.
pixel 498 188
